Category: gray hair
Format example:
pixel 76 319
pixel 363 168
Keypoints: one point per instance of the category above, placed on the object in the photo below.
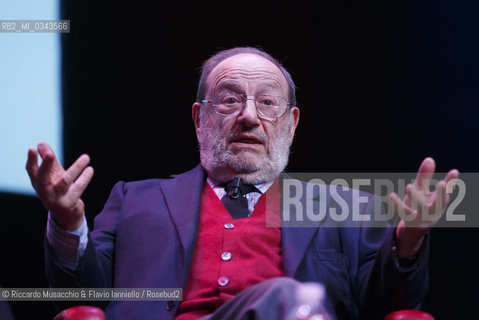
pixel 214 60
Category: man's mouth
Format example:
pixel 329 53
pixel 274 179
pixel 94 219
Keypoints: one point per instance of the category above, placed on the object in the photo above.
pixel 247 140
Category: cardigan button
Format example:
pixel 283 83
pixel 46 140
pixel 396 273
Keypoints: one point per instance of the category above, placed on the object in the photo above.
pixel 229 226
pixel 170 305
pixel 223 281
pixel 225 256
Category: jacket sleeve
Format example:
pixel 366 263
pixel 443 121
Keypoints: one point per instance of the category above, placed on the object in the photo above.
pixel 382 284
pixel 95 267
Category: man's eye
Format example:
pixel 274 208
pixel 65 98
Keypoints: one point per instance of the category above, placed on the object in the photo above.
pixel 267 102
pixel 230 101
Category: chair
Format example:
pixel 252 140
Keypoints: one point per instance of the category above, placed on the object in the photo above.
pixel 409 315
pixel 81 313
pixel 94 313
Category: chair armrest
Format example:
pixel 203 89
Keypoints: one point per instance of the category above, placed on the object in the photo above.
pixel 81 313
pixel 409 315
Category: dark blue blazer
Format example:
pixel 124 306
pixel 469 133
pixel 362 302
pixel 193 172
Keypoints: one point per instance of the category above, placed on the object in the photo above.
pixel 146 233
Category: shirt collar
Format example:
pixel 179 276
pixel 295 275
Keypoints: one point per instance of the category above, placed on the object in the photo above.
pixel 263 187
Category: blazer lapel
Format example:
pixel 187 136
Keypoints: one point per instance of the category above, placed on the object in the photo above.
pixel 296 236
pixel 183 196
pixel 295 241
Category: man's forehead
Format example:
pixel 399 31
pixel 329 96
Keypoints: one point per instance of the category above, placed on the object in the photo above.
pixel 247 60
pixel 247 66
pixel 231 84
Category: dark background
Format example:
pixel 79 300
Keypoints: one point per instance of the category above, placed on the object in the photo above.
pixel 381 85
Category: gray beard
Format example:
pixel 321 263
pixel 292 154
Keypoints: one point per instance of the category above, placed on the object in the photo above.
pixel 218 162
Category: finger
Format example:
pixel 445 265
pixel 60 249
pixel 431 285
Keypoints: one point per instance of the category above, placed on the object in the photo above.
pixel 407 195
pixel 400 207
pixel 450 180
pixel 32 164
pixel 82 182
pixel 45 171
pixel 425 173
pixel 45 149
pixel 67 179
pixel 416 196
pixel 452 174
pixel 440 199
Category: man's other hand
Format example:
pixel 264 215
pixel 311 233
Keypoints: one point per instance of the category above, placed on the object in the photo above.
pixel 418 202
pixel 59 189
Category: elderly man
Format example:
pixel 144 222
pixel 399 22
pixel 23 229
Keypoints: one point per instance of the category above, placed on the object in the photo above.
pixel 204 230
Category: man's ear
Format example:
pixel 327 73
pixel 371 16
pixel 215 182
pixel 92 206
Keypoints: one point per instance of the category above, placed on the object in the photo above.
pixel 295 115
pixel 195 112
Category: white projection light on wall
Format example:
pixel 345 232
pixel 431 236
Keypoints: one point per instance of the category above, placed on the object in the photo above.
pixel 30 96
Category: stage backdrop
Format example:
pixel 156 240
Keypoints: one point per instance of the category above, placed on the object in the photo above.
pixel 381 85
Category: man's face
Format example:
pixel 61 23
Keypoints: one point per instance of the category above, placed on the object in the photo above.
pixel 245 145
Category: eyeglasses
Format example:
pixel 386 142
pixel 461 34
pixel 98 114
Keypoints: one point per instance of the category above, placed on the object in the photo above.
pixel 230 104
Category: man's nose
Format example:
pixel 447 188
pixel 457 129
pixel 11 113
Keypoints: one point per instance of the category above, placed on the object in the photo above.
pixel 249 114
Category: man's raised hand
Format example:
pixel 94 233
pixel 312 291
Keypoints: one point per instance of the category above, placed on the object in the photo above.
pixel 59 189
pixel 418 203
